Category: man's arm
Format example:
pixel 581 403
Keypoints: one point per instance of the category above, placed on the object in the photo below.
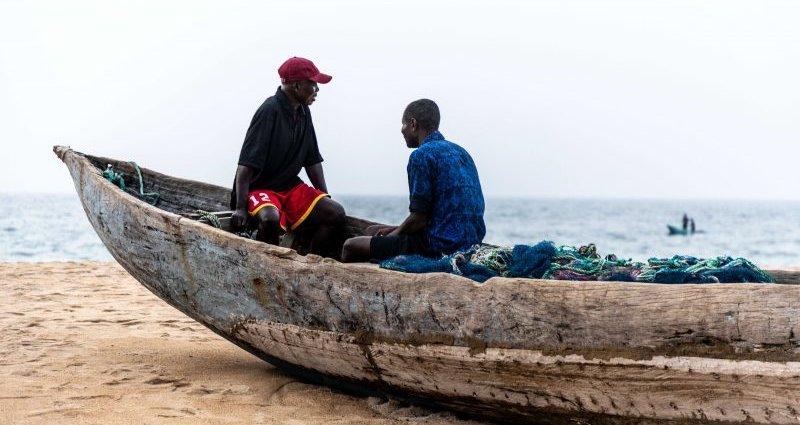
pixel 317 176
pixel 414 223
pixel 243 176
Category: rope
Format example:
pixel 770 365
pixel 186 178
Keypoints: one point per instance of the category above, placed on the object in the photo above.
pixel 214 221
pixel 454 261
pixel 114 177
pixel 150 197
pixel 211 217
pixel 491 257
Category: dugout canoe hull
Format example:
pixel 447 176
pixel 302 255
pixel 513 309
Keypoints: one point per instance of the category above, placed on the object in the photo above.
pixel 513 350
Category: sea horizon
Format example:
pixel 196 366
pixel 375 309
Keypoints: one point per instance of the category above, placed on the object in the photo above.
pixel 762 231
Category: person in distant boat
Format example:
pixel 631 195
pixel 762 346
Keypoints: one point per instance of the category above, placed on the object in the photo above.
pixel 691 225
pixel 685 221
pixel 446 202
pixel 279 143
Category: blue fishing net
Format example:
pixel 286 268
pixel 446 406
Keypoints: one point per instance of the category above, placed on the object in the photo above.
pixel 547 261
pixel 456 263
pixel 531 261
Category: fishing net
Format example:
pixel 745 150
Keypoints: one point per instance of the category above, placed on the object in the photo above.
pixel 545 260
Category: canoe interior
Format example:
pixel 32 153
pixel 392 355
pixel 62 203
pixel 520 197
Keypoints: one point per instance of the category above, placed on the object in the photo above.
pixel 187 197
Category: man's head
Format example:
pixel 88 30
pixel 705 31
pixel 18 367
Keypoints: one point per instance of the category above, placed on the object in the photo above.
pixel 420 119
pixel 299 78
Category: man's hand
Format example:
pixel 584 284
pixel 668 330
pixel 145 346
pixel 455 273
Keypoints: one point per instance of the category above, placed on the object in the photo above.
pixel 243 176
pixel 415 222
pixel 385 230
pixel 379 230
pixel 239 218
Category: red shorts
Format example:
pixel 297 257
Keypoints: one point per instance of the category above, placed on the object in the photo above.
pixel 294 204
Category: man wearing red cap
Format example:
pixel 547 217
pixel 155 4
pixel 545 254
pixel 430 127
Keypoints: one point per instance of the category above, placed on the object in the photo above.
pixel 279 143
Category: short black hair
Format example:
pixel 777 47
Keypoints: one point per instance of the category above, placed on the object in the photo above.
pixel 425 111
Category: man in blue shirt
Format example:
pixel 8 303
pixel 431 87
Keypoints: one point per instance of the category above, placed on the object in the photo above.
pixel 446 202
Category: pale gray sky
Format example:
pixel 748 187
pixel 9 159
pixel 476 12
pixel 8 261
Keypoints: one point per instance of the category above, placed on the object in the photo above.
pixel 623 99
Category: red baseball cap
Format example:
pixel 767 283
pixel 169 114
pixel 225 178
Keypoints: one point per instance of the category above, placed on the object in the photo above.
pixel 299 69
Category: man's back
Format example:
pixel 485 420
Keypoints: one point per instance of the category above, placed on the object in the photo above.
pixel 443 182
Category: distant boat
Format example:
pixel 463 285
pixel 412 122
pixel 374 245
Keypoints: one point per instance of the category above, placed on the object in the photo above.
pixel 513 350
pixel 677 230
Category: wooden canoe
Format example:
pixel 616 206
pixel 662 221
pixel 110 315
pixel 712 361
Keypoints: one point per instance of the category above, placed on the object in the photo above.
pixel 514 350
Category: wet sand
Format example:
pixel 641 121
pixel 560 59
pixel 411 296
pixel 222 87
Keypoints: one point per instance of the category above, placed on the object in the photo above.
pixel 84 343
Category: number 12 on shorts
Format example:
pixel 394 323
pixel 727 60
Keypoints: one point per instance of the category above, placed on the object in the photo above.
pixel 264 198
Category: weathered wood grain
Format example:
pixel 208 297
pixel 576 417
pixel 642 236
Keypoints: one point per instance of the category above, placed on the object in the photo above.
pixel 558 388
pixel 550 351
pixel 786 277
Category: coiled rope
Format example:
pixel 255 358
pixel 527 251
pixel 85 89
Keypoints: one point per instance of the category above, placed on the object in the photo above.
pixel 211 217
pixel 150 197
pixel 119 180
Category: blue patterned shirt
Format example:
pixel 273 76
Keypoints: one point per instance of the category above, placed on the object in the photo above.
pixel 443 184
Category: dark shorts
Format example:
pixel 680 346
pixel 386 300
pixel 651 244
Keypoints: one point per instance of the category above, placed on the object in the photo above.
pixel 294 204
pixel 383 247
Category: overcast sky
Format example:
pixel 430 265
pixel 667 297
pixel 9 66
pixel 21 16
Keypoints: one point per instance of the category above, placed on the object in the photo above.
pixel 622 99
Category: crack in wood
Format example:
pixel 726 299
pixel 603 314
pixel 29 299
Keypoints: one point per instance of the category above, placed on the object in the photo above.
pixel 433 316
pixel 736 318
pixel 329 293
pixel 385 307
pixel 396 312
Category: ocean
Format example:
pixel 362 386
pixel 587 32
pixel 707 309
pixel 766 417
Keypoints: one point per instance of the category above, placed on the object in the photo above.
pixel 36 228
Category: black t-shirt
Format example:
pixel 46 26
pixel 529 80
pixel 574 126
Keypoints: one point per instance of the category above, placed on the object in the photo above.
pixel 278 144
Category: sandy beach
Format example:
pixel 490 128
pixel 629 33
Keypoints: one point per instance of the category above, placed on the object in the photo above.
pixel 84 343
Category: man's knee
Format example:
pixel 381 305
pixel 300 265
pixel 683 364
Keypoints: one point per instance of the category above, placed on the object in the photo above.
pixel 356 249
pixel 333 213
pixel 347 250
pixel 268 218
